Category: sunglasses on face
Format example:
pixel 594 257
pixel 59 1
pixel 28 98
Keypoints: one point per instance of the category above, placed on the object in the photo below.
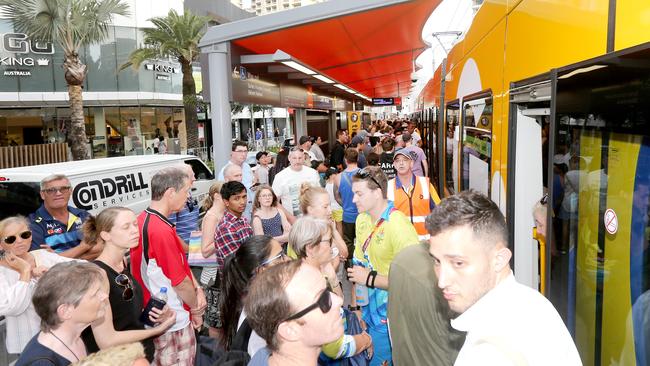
pixel 364 174
pixel 324 303
pixel 280 257
pixel 123 280
pixel 54 190
pixel 12 238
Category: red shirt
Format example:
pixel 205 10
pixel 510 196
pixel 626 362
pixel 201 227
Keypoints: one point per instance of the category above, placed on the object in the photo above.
pixel 165 247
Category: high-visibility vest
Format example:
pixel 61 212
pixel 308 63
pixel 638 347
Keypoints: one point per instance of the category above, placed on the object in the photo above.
pixel 415 206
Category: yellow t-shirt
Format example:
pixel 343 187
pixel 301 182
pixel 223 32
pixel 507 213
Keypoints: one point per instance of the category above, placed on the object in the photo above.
pixel 395 234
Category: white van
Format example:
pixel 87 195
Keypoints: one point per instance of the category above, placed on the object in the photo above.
pixel 97 184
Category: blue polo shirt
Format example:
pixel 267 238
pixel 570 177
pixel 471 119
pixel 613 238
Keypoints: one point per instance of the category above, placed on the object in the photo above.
pixel 57 235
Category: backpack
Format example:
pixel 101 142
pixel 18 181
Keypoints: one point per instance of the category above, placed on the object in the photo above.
pixel 353 327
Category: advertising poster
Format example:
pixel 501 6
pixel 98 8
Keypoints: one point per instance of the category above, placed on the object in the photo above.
pixel 354 122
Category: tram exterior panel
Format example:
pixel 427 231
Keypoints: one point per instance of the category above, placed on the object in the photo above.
pixel 535 83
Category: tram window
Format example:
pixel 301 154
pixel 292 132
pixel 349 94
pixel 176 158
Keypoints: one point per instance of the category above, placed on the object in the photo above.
pixel 451 147
pixel 477 145
pixel 600 264
pixel 433 146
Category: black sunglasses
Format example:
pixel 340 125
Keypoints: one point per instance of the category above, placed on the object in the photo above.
pixel 544 199
pixel 364 174
pixel 123 280
pixel 324 302
pixel 12 238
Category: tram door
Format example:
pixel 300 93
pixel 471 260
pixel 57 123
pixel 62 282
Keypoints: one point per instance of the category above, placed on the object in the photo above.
pixel 601 274
pixel 530 111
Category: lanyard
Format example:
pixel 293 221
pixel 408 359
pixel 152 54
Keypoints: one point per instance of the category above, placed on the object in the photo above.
pixel 367 242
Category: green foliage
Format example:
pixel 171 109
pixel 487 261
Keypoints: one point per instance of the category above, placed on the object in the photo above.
pixel 174 35
pixel 71 24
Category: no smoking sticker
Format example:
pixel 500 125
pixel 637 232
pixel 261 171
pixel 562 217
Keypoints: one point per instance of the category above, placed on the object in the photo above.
pixel 611 221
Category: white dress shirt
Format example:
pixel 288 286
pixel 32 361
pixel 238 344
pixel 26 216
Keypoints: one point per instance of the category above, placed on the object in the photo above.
pixel 16 301
pixel 514 325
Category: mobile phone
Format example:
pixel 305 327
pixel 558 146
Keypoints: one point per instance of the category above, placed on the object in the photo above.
pixel 349 263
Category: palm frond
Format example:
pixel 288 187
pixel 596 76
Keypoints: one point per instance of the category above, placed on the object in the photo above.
pixel 137 57
pixel 70 23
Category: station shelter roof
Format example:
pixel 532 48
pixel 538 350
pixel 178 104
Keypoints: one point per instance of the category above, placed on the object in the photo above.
pixel 367 45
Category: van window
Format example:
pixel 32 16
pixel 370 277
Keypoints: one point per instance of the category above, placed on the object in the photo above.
pixel 18 199
pixel 201 172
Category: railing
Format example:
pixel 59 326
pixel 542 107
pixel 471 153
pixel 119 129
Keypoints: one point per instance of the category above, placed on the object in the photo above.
pixel 24 155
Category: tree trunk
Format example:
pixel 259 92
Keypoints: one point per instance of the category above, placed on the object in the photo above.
pixel 77 134
pixel 190 104
pixel 75 73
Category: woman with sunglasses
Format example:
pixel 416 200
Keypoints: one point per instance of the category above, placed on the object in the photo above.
pixel 117 228
pixel 254 255
pixel 19 271
pixel 311 239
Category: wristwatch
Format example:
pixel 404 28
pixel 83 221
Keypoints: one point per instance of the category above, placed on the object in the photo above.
pixel 354 308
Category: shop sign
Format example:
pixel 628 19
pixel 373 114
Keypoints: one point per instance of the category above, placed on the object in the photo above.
pixel 20 44
pixel 161 68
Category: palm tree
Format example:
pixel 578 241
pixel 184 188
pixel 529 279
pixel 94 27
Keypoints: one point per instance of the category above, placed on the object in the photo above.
pixel 71 24
pixel 176 36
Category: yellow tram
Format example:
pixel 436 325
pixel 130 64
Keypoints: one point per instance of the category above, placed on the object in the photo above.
pixel 554 96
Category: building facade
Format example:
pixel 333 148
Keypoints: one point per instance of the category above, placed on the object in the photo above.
pixel 124 110
pixel 261 7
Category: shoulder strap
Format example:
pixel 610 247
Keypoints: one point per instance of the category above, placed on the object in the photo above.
pixel 145 238
pixel 241 338
pixel 42 358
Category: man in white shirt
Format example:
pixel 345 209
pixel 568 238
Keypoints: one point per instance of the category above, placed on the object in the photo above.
pixel 506 323
pixel 238 157
pixel 286 184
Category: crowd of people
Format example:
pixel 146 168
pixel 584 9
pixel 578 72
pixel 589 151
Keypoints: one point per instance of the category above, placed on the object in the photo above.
pixel 431 282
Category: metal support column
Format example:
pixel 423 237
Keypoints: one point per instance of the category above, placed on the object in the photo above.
pixel 219 68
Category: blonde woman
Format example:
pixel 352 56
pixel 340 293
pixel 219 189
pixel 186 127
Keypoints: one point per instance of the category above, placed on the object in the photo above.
pixel 214 208
pixel 20 269
pixel 315 202
pixel 116 229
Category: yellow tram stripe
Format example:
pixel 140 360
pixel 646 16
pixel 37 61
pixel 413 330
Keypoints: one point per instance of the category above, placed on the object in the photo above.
pixel 617 305
pixel 587 250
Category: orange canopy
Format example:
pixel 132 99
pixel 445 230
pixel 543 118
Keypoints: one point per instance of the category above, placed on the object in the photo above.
pixel 370 51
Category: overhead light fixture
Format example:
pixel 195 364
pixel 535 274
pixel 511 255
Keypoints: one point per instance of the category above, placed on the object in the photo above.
pixel 296 66
pixel 342 87
pixel 323 79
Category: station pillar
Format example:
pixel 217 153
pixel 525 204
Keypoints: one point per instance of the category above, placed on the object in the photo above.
pixel 219 71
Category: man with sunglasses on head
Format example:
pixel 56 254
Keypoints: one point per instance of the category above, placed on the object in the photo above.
pixel 290 307
pixel 56 226
pixel 382 232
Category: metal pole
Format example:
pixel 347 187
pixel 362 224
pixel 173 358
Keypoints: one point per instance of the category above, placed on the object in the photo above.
pixel 219 70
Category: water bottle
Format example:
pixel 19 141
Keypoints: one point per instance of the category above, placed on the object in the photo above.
pixel 361 294
pixel 158 301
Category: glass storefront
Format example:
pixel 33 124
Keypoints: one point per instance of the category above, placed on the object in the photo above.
pixel 112 131
pixel 126 128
